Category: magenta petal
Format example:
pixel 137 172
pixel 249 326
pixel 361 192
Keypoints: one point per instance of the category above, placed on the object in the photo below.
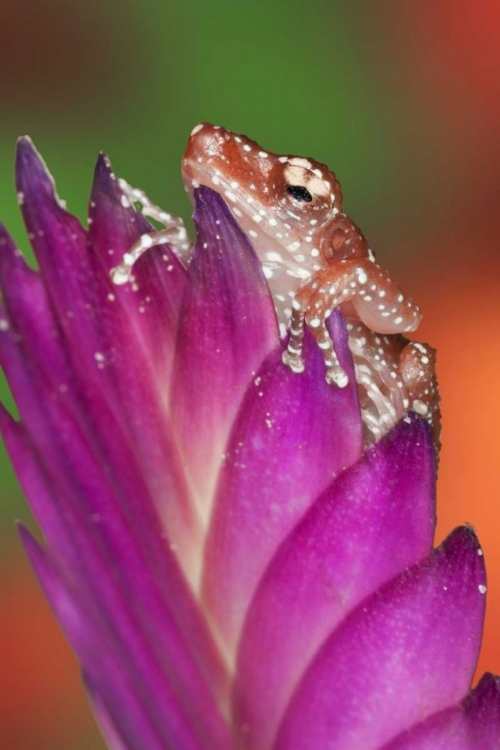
pixel 151 301
pixel 227 327
pixel 375 520
pixel 113 737
pixel 406 652
pixel 472 725
pixel 92 327
pixel 107 543
pixel 61 248
pixel 57 401
pixel 293 434
pixel 144 698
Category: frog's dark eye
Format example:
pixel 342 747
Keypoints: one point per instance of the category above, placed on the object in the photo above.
pixel 299 193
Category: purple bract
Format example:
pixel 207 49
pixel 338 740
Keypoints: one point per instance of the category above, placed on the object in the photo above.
pixel 230 565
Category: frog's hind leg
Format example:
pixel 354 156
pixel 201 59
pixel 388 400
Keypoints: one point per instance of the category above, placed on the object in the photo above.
pixel 394 376
pixel 417 367
pixel 174 233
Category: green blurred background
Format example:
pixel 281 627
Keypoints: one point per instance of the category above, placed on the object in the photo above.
pixel 399 98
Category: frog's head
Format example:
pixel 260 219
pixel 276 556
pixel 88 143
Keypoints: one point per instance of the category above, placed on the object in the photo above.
pixel 285 204
pixel 287 199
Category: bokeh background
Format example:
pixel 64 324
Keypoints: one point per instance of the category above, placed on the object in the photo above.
pixel 400 98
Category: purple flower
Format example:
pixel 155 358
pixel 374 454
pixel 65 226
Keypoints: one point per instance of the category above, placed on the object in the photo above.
pixel 231 567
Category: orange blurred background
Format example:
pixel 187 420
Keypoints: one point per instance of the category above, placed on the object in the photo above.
pixel 401 99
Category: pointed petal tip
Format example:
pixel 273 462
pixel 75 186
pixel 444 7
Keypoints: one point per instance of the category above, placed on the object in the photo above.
pixel 413 428
pixel 4 234
pixel 24 141
pixel 6 417
pixel 489 684
pixel 206 198
pixel 463 537
pixel 103 165
pixel 21 528
pixel 7 244
pixel 31 170
pixel 105 182
pixel 30 544
pixel 26 148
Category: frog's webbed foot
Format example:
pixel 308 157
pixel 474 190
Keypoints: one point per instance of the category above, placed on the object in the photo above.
pixel 293 359
pixel 174 233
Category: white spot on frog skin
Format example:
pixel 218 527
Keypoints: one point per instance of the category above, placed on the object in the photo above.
pixel 482 588
pixel 283 159
pixel 268 272
pixel 195 130
pixel 263 154
pixel 362 277
pixel 275 257
pixel 4 324
pixel 247 147
pixel 420 408
pixel 298 161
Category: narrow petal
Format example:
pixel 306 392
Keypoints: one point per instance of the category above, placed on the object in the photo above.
pixel 106 352
pixel 116 659
pixel 56 399
pixel 293 434
pixel 398 645
pixel 113 737
pixel 61 248
pixel 472 725
pixel 227 327
pixel 152 299
pixel 116 550
pixel 375 520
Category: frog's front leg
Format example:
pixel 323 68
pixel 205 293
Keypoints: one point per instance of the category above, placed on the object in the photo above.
pixel 377 301
pixel 174 233
pixel 292 356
